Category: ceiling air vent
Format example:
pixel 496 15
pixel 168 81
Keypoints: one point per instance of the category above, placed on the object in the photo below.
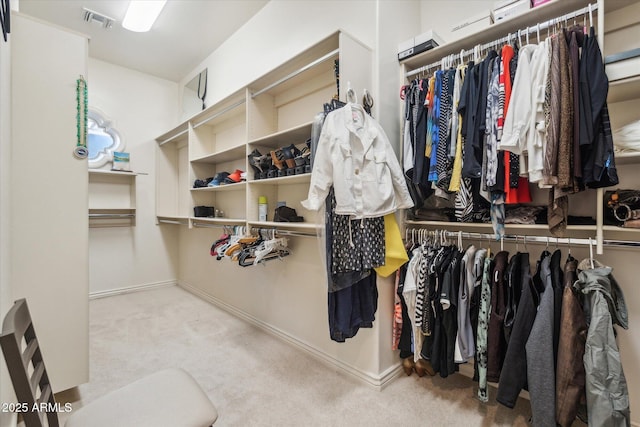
pixel 97 18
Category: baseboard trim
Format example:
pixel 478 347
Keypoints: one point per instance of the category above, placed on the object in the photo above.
pixel 130 289
pixel 377 382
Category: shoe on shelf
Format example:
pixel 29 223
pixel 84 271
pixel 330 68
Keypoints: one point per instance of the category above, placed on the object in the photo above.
pixel 278 159
pixel 266 164
pixel 218 179
pixel 304 158
pixel 289 153
pixel 254 162
pixel 234 177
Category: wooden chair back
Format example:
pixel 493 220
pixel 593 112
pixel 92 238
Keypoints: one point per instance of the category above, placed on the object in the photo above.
pixel 26 368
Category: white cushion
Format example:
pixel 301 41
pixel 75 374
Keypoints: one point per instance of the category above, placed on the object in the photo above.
pixel 167 398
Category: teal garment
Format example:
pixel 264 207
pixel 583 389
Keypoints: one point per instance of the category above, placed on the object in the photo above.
pixel 606 385
pixel 483 327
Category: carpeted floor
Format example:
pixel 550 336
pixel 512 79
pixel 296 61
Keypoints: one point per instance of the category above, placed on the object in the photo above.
pixel 255 379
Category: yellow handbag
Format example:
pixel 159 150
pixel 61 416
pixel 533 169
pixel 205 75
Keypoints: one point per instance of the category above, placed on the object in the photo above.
pixel 395 255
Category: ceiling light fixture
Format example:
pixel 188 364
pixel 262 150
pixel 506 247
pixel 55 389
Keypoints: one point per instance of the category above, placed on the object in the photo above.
pixel 141 14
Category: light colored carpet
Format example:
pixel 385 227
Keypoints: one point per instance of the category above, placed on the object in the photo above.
pixel 255 379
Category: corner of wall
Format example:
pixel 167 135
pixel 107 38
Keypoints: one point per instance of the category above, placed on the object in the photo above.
pixel 6 296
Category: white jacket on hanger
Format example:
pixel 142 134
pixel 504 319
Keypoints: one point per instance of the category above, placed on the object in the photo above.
pixel 355 156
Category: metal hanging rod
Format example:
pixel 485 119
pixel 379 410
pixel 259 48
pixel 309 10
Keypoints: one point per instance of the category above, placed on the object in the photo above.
pixel 531 29
pixel 299 71
pixel 208 225
pixel 111 216
pixel 521 238
pixel 219 113
pixel 170 221
pixel 279 232
pixel 294 233
pixel 623 243
pixel 518 238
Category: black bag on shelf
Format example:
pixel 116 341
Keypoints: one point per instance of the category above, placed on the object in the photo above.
pixel 286 214
pixel 204 211
pixel 621 205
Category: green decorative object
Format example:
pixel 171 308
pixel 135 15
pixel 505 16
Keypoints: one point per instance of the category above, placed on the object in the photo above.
pixel 81 151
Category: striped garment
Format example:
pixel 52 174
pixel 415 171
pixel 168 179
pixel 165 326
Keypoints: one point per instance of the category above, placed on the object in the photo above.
pixel 463 203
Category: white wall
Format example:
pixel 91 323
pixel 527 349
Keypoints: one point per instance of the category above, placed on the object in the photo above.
pixel 141 107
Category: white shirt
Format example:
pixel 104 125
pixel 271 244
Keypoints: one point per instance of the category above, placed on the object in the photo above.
pixel 355 156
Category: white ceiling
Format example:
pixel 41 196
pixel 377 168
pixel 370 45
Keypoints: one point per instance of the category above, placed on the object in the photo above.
pixel 186 31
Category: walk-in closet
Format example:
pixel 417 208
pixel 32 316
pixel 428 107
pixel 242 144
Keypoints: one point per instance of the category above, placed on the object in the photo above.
pixel 311 212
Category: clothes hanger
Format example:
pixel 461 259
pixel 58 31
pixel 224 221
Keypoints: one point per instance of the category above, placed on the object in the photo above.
pixel 520 37
pixel 367 101
pixel 351 94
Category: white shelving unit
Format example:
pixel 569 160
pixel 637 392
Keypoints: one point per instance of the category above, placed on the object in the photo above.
pixel 112 198
pixel 274 111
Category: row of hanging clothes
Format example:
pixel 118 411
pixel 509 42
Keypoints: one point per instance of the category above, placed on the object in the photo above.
pixel 546 327
pixel 481 133
pixel 249 247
